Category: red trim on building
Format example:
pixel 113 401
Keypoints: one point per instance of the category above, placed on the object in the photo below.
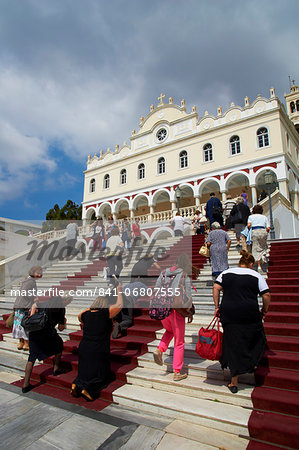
pixel 274 164
pixel 227 174
pixel 245 170
pixel 91 206
pixel 217 176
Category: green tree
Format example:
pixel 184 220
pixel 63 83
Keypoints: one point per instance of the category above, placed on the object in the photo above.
pixel 58 217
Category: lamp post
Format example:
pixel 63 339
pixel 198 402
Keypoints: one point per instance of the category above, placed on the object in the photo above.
pixel 268 182
pixel 178 194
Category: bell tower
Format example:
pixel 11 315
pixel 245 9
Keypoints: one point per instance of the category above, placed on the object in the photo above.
pixel 292 103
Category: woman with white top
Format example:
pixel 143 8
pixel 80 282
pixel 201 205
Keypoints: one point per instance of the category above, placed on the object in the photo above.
pixel 259 233
pixel 115 247
pixel 244 340
pixel 178 224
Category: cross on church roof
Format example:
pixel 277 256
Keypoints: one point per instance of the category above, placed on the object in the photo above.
pixel 161 99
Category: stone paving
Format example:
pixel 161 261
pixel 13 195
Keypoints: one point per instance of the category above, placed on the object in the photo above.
pixel 36 422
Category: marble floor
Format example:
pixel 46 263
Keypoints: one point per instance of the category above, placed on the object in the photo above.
pixel 33 421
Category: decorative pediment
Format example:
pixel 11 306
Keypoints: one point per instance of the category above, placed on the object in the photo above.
pixel 165 113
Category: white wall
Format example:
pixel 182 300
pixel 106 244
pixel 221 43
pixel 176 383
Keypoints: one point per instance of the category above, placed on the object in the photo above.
pixel 286 223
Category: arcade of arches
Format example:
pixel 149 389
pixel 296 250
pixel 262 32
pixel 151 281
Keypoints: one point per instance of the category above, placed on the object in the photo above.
pixel 159 204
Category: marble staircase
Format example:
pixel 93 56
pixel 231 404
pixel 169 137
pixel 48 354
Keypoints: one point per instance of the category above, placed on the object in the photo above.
pixel 201 399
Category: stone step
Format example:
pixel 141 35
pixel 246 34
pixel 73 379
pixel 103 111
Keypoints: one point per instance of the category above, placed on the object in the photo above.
pixel 11 362
pixel 7 337
pixel 202 436
pixel 196 367
pixel 10 347
pixel 223 417
pixel 191 335
pixel 188 353
pixel 197 387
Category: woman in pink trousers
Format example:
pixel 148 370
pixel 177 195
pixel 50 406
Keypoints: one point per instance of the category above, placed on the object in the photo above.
pixel 174 324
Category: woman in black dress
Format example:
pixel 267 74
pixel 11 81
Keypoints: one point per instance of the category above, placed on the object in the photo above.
pixel 244 339
pixel 94 349
pixel 46 342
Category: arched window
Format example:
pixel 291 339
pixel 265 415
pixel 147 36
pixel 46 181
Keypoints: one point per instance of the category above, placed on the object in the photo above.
pixel 207 152
pixel 263 137
pixel 183 159
pixel 141 171
pixel 297 105
pixel 107 181
pixel 292 107
pixel 161 165
pixel 123 176
pixel 92 186
pixel 235 146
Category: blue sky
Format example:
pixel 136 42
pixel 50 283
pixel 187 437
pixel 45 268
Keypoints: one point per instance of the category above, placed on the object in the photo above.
pixel 75 77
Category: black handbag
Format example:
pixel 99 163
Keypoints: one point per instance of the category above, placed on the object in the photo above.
pixel 35 322
pixel 237 216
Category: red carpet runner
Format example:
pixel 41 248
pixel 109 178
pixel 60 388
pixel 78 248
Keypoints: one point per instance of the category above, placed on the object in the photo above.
pixel 275 418
pixel 124 351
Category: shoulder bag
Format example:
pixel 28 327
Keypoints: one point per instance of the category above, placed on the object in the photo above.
pixel 35 322
pixel 10 320
pixel 209 345
pixel 237 216
pixel 204 251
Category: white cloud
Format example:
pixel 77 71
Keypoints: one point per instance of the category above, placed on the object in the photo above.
pixel 78 75
pixel 62 182
pixel 21 156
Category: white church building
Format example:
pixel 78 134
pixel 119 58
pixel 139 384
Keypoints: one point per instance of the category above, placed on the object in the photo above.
pixel 176 158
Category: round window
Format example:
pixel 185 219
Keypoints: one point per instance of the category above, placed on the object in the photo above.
pixel 161 134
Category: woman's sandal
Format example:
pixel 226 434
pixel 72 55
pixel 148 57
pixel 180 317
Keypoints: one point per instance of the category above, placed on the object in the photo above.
pixel 75 391
pixel 233 389
pixel 86 395
pixel 27 388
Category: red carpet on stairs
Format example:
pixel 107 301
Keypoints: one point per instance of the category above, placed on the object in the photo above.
pixel 124 351
pixel 274 422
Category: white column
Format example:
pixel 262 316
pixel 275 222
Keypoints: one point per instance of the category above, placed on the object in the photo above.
pixel 283 188
pixel 223 194
pixel 296 201
pixel 151 213
pixel 84 227
pixel 197 201
pixel 173 205
pixel 114 216
pixel 132 215
pixel 253 194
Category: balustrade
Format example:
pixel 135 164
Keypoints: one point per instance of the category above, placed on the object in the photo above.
pixel 146 219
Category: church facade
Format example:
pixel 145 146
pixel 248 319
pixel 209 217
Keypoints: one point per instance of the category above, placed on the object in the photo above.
pixel 176 158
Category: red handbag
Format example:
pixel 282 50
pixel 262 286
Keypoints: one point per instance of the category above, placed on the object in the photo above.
pixel 209 345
